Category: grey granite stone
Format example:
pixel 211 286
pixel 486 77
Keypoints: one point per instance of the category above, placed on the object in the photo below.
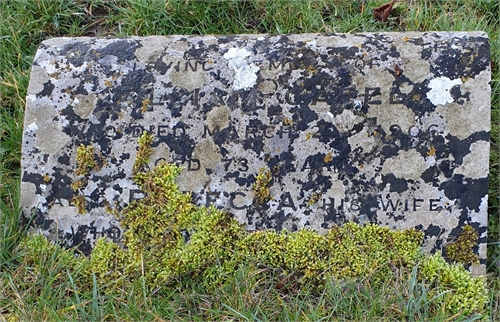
pixel 391 128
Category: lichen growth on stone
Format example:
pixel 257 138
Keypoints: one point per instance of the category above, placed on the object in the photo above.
pixel 328 158
pixel 314 198
pixel 461 251
pixel 145 104
pixel 261 186
pixel 287 121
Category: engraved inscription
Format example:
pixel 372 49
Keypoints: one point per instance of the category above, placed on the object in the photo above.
pixel 345 126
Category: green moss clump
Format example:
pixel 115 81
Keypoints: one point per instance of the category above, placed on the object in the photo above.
pixel 80 203
pixel 85 160
pixel 77 184
pixel 43 268
pixel 461 251
pixel 108 263
pixel 371 250
pixel 261 186
pixel 167 238
pixel 38 251
pixel 144 152
pixel 456 289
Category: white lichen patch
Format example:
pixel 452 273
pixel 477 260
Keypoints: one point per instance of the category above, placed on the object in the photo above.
pixel 406 88
pixel 340 42
pixel 422 208
pixel 267 87
pixel 151 49
pixel 29 198
pixel 337 190
pixel 364 140
pixel 64 213
pixel 39 77
pixel 245 75
pixel 476 216
pixel 413 66
pixel 407 165
pixel 440 87
pixel 84 105
pixel 194 81
pixel 475 164
pixel 272 69
pixel 218 118
pixel 207 153
pixel 32 127
pixel 476 110
pixel 42 116
pixel 346 120
pixel 395 114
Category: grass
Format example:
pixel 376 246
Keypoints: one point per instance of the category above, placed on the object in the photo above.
pixel 40 283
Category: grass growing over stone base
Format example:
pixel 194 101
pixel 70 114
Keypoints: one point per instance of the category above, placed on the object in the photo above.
pixel 41 282
pixel 221 271
pixel 158 253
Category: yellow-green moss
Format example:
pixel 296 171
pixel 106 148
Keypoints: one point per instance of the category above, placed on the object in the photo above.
pixel 461 251
pixel 85 160
pixel 314 198
pixel 261 186
pixel 77 184
pixel 167 238
pixel 42 268
pixel 143 152
pixel 456 289
pixel 80 203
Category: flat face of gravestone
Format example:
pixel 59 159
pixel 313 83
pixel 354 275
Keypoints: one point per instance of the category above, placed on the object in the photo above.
pixel 390 128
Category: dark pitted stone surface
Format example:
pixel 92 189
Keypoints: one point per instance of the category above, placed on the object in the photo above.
pixel 391 128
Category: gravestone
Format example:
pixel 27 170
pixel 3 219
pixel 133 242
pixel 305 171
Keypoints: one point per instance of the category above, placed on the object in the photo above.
pixel 390 128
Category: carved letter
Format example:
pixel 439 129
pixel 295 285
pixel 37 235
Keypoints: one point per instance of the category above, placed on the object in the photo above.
pixel 208 198
pixel 181 127
pixel 190 167
pixel 193 68
pixel 113 232
pixel 289 100
pixel 355 205
pixel 206 130
pixel 369 93
pixel 160 160
pixel 110 132
pixel 415 205
pixel 203 66
pixel 389 202
pixel 286 201
pixel 278 65
pixel 318 97
pixel 433 206
pixel 162 131
pixel 231 200
pixel 289 130
pixel 332 204
pixel 136 130
pixel 252 130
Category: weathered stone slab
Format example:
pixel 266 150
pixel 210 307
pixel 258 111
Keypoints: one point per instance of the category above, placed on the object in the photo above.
pixel 391 128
